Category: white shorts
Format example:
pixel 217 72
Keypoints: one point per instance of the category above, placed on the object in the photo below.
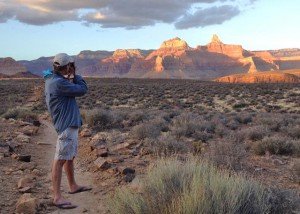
pixel 67 144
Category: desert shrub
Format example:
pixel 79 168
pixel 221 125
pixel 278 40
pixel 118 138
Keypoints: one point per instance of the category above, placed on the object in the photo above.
pixel 275 145
pixel 296 170
pixel 101 119
pixel 232 124
pixel 273 121
pixel 239 105
pixel 148 129
pixel 296 147
pixel 227 152
pixel 24 114
pixel 256 133
pixel 166 145
pixel 137 116
pixel 192 186
pixel 191 125
pixel 244 118
pixel 184 125
pixel 293 131
pixel 203 136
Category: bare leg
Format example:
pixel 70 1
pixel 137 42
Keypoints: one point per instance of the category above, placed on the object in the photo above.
pixel 69 170
pixel 56 181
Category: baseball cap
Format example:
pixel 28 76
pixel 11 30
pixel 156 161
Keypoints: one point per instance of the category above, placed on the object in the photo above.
pixel 62 59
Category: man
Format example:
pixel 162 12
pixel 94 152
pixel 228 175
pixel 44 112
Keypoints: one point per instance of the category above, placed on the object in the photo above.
pixel 61 87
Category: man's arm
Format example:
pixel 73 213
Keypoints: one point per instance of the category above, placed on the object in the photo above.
pixel 69 89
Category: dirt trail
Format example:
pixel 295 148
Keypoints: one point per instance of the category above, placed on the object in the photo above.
pixel 88 202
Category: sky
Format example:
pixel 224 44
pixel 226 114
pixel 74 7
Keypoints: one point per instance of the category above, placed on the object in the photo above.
pixel 30 29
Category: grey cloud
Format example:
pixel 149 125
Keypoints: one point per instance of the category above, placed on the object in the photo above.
pixel 41 18
pixel 6 13
pixel 129 14
pixel 209 16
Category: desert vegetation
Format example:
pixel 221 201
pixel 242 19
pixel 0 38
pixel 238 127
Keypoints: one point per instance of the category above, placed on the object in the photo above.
pixel 192 146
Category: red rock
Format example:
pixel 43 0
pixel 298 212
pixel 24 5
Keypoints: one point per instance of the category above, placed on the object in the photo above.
pixel 101 163
pixel 9 66
pixel 261 77
pixel 120 146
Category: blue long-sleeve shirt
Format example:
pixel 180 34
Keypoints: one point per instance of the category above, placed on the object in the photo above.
pixel 60 96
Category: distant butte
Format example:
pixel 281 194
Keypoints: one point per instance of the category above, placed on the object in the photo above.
pixel 173 59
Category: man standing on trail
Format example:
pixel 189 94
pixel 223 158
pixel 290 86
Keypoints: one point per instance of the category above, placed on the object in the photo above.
pixel 61 87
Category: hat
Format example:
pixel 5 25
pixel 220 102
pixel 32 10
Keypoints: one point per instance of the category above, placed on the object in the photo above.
pixel 62 59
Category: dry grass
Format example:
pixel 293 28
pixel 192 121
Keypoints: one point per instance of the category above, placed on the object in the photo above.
pixel 191 186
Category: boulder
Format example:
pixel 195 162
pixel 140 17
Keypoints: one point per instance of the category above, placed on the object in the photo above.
pixel 27 204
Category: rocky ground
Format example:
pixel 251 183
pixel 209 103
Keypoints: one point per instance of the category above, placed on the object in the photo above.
pixel 117 156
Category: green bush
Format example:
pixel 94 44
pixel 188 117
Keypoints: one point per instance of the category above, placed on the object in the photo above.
pixel 174 187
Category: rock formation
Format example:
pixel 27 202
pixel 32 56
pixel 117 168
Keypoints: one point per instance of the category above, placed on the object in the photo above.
pixel 216 46
pixel 9 66
pixel 173 59
pixel 261 77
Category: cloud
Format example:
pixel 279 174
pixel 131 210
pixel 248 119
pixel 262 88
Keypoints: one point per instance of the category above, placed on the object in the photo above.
pixel 209 16
pixel 129 14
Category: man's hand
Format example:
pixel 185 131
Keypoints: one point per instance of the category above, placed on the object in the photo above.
pixel 71 71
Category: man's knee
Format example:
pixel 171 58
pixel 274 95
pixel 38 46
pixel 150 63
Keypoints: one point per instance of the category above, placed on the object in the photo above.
pixel 59 162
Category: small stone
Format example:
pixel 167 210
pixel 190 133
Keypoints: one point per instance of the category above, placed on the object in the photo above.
pixel 37 172
pixel 126 170
pixel 23 138
pixel 97 144
pixel 84 210
pixel 101 152
pixel 101 163
pixel 86 133
pixel 4 150
pixel 129 177
pixel 27 204
pixel 115 159
pixel 25 182
pixel 12 145
pixel 120 146
pixel 25 190
pixel 23 158
pixel 30 130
